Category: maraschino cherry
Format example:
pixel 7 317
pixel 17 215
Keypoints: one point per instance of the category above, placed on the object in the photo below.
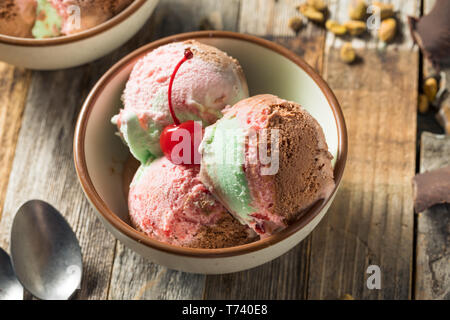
pixel 168 143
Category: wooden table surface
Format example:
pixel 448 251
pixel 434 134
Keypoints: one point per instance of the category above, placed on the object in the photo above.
pixel 371 222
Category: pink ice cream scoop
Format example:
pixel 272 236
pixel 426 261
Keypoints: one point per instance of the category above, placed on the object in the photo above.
pixel 91 13
pixel 168 202
pixel 204 85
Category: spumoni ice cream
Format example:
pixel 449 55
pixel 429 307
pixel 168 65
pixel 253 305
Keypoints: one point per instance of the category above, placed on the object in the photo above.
pixel 204 85
pixel 169 203
pixel 266 161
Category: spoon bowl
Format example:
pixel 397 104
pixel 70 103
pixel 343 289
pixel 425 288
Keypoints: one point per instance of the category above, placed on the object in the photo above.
pixel 45 252
pixel 10 287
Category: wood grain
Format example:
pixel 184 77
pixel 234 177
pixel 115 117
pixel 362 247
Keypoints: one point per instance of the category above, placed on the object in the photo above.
pixel 287 276
pixel 134 277
pixel 14 83
pixel 371 220
pixel 433 228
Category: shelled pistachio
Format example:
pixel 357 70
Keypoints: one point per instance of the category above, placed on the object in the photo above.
pixel 295 23
pixel 357 10
pixel 430 88
pixel 386 9
pixel 422 104
pixel 335 27
pixel 387 30
pixel 311 13
pixel 347 53
pixel 317 4
pixel 355 27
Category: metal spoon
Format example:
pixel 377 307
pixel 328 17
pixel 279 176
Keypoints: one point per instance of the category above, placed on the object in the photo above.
pixel 45 252
pixel 10 287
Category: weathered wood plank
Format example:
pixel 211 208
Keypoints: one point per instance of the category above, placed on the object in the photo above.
pixel 285 277
pixel 371 219
pixel 433 228
pixel 147 280
pixel 134 277
pixel 14 83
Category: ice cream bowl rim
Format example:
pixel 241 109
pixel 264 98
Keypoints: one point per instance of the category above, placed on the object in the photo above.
pixel 127 230
pixel 107 25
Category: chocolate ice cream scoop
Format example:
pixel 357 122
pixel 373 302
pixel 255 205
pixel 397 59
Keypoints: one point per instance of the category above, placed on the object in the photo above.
pixel 17 17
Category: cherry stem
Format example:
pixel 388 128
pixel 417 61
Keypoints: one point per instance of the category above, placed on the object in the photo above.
pixel 187 55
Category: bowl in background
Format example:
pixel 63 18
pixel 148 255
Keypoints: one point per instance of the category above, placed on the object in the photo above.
pixel 80 48
pixel 99 154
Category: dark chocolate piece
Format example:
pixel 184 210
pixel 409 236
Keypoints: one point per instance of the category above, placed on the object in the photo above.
pixel 432 33
pixel 431 188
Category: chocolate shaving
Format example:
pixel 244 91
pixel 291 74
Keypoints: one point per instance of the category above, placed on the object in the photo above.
pixel 432 33
pixel 443 117
pixel 430 188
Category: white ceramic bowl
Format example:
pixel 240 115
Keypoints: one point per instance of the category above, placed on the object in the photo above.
pixel 74 50
pixel 99 154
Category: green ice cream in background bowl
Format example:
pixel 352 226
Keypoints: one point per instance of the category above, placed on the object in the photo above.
pixel 48 21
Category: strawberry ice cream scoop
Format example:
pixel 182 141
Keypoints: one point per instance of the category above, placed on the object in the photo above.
pixel 204 85
pixel 168 202
pixel 267 161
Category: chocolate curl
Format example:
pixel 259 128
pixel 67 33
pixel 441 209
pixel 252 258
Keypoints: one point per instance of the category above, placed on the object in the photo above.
pixel 432 33
pixel 443 117
pixel 430 188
